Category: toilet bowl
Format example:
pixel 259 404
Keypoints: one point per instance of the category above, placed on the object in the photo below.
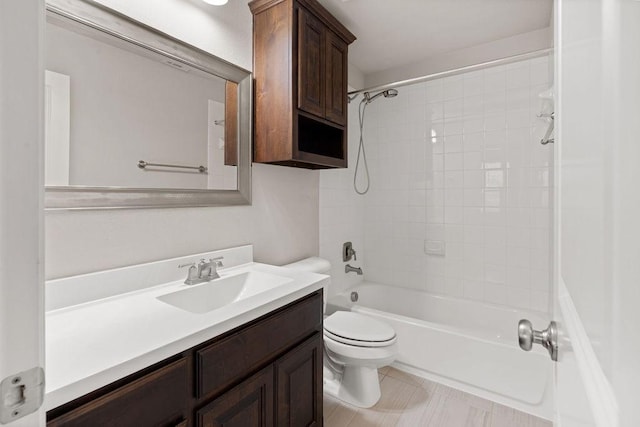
pixel 355 346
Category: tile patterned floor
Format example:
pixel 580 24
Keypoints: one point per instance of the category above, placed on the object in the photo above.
pixel 410 401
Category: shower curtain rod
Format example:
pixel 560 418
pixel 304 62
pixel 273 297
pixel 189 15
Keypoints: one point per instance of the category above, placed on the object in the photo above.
pixel 453 72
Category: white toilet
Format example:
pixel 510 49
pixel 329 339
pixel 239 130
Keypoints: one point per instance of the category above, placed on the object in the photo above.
pixel 355 346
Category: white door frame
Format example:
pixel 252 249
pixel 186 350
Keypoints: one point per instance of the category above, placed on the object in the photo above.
pixel 21 192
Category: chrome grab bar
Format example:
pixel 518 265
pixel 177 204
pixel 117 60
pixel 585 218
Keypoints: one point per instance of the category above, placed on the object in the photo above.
pixel 142 165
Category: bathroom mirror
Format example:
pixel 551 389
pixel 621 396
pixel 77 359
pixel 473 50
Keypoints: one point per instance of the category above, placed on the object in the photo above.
pixel 135 118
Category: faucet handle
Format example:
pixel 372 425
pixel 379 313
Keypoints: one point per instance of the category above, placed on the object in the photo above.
pixel 192 275
pixel 217 261
pixel 348 252
pixel 214 263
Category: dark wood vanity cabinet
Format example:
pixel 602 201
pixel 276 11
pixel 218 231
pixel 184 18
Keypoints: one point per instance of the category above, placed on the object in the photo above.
pixel 266 373
pixel 250 403
pixel 300 70
pixel 285 394
pixel 157 398
pixel 299 385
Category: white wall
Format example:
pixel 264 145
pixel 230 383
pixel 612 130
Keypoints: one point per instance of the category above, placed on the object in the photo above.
pixel 502 48
pixel 57 123
pixel 282 223
pixel 456 160
pixel 356 78
pixel 224 31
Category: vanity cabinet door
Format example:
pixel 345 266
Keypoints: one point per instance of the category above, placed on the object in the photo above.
pixel 157 399
pixel 336 79
pixel 225 362
pixel 322 70
pixel 249 404
pixel 299 385
pixel 311 63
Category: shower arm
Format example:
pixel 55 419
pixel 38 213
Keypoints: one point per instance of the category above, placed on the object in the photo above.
pixel 367 98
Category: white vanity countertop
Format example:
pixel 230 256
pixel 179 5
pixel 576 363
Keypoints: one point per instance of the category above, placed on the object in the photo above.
pixel 92 344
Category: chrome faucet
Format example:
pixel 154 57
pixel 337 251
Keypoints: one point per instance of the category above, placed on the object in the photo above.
pixel 192 275
pixel 349 269
pixel 211 268
pixel 204 271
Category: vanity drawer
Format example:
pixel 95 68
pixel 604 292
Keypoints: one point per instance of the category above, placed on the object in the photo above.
pixel 156 399
pixel 249 404
pixel 223 363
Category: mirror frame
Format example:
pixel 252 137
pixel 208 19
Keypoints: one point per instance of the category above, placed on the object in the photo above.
pixel 87 14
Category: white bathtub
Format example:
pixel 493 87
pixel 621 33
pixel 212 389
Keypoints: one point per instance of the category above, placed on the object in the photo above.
pixel 467 345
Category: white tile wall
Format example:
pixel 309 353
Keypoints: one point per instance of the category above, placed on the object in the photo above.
pixel 455 160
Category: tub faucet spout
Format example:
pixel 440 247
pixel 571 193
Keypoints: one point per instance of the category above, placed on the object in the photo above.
pixel 349 269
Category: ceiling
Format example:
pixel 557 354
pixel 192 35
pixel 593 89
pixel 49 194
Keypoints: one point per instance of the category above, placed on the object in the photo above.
pixel 393 33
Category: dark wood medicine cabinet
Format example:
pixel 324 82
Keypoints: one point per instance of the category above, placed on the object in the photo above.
pixel 300 70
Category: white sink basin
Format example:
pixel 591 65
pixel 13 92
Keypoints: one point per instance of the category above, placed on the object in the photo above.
pixel 206 297
pixel 160 314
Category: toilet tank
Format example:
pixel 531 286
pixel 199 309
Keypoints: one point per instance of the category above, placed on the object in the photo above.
pixel 314 264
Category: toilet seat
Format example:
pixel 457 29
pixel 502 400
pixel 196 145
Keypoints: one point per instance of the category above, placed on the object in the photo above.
pixel 358 330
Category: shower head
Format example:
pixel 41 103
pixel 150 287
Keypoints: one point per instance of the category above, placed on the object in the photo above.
pixel 389 93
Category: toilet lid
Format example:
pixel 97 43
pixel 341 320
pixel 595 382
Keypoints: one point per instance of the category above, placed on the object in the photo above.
pixel 357 328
